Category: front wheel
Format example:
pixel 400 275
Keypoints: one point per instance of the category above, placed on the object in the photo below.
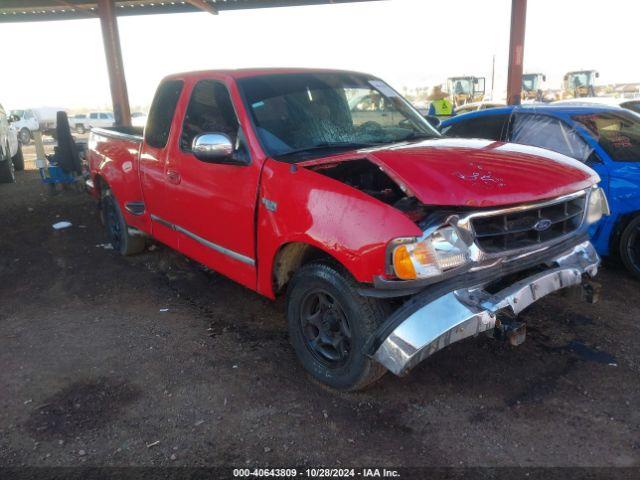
pixel 24 136
pixel 329 324
pixel 117 229
pixel 630 247
pixel 18 160
pixel 7 170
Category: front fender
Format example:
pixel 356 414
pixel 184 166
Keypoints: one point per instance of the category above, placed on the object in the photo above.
pixel 299 205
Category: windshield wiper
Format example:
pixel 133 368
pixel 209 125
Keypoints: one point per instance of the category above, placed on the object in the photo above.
pixel 328 146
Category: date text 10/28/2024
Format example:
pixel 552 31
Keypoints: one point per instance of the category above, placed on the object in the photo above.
pixel 316 473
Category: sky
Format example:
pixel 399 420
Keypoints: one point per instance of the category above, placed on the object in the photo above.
pixel 408 43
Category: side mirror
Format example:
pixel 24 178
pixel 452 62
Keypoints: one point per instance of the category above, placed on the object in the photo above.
pixel 212 147
pixel 433 121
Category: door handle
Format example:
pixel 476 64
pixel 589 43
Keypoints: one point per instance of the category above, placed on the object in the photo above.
pixel 173 177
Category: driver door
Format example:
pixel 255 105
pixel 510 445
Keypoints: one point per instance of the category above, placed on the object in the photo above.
pixel 213 202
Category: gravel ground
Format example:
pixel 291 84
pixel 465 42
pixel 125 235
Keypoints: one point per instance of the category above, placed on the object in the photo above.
pixel 153 360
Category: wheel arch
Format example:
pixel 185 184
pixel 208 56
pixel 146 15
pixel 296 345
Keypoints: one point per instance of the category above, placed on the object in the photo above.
pixel 291 256
pixel 616 234
pixel 100 184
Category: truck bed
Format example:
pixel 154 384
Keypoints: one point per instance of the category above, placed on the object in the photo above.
pixel 124 133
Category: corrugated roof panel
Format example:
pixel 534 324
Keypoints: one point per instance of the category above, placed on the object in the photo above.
pixel 46 10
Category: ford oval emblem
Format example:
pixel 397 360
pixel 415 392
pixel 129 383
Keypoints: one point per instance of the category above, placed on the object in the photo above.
pixel 542 225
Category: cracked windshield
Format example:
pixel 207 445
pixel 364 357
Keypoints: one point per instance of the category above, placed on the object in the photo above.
pixel 298 116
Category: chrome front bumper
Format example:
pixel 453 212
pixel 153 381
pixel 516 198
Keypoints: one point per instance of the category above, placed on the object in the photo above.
pixel 465 312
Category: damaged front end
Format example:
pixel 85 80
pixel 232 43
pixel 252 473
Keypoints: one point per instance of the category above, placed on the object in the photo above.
pixel 473 269
pixel 426 324
pixel 476 272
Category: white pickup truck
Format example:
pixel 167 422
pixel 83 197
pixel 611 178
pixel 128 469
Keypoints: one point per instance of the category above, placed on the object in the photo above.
pixel 25 122
pixel 83 122
pixel 11 158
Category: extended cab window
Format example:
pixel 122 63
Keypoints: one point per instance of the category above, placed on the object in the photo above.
pixel 486 126
pixel 550 133
pixel 161 112
pixel 210 110
pixel 93 116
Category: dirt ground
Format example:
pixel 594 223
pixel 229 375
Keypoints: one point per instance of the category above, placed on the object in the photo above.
pixel 94 371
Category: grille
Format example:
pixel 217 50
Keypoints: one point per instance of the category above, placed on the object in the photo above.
pixel 527 228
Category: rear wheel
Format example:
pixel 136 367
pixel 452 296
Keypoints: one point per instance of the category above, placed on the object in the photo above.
pixel 630 247
pixel 329 324
pixel 7 170
pixel 18 160
pixel 117 228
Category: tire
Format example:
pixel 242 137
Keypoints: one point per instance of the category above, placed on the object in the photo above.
pixel 322 304
pixel 7 170
pixel 117 229
pixel 24 135
pixel 630 247
pixel 18 160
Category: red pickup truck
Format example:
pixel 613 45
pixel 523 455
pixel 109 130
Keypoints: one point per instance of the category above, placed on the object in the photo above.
pixel 389 241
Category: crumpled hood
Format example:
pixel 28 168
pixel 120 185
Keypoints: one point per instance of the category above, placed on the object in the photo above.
pixel 481 173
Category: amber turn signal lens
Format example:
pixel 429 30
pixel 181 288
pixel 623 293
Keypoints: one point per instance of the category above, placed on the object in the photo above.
pixel 402 264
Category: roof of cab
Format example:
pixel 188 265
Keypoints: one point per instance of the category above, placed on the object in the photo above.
pixel 258 72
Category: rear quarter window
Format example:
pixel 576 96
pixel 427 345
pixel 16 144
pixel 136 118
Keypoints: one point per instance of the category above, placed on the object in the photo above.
pixel 161 113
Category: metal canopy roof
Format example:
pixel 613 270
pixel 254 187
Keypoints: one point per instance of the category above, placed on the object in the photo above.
pixel 46 10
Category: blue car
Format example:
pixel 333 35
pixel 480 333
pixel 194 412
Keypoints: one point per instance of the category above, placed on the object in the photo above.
pixel 606 138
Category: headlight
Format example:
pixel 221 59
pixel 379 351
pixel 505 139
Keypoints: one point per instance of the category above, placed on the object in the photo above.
pixel 597 206
pixel 431 256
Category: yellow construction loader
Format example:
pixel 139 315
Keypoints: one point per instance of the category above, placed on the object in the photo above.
pixel 580 83
pixel 532 86
pixel 465 89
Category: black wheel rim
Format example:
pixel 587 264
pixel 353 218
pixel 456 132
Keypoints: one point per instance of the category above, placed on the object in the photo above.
pixel 325 329
pixel 113 224
pixel 633 248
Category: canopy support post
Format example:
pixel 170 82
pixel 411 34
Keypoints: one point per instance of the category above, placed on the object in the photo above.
pixel 516 51
pixel 113 53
